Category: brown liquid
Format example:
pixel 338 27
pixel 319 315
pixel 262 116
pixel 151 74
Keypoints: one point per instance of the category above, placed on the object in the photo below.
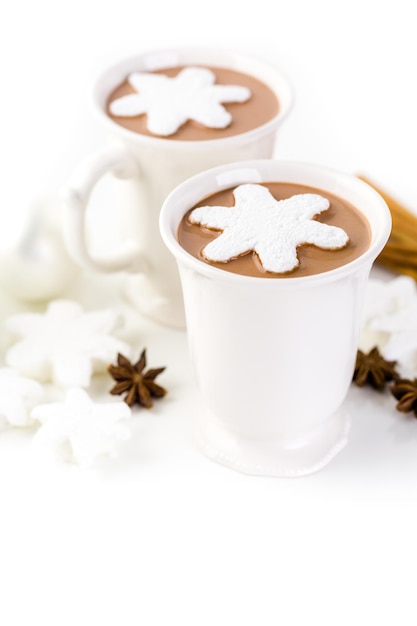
pixel 261 107
pixel 313 260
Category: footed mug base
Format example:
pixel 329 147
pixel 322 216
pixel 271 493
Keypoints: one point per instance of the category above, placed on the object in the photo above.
pixel 148 300
pixel 273 457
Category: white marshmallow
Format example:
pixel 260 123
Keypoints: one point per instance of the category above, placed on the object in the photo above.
pixel 65 345
pixel 170 102
pixel 18 396
pixel 271 228
pixel 81 430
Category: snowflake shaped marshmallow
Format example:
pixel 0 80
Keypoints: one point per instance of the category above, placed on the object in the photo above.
pixel 389 321
pixel 170 102
pixel 18 396
pixel 80 429
pixel 271 228
pixel 383 301
pixel 65 345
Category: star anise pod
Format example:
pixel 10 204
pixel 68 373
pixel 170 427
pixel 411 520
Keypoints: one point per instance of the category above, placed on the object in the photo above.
pixel 139 385
pixel 405 391
pixel 373 369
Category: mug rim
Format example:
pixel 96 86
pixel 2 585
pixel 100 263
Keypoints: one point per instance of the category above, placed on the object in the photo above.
pixel 214 55
pixel 256 171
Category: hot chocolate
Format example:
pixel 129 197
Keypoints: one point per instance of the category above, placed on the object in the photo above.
pixel 346 237
pixel 214 103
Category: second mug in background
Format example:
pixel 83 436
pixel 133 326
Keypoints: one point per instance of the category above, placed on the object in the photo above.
pixel 153 162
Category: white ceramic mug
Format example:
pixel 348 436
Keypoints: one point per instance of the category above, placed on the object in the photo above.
pixel 273 358
pixel 152 167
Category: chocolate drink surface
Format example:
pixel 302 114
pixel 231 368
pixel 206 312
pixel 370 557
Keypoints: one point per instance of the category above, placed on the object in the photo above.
pixel 311 259
pixel 258 106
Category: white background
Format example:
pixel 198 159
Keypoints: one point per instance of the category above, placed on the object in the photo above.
pixel 162 535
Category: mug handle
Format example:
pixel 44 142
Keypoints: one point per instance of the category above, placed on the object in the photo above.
pixel 75 197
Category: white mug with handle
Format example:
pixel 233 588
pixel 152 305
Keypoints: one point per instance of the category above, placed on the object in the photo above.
pixel 151 167
pixel 273 358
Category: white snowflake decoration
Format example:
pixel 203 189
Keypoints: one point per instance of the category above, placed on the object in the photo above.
pixel 65 345
pixel 390 321
pixel 18 396
pixel 386 297
pixel 170 102
pixel 271 228
pixel 81 430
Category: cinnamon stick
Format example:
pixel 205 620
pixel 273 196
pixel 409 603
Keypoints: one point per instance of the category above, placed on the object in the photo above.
pixel 400 252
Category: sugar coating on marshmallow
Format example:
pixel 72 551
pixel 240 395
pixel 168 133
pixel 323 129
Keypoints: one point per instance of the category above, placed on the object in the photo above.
pixel 81 430
pixel 18 396
pixel 64 345
pixel 272 228
pixel 170 102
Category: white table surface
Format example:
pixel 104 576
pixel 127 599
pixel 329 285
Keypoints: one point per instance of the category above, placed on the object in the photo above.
pixel 162 535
